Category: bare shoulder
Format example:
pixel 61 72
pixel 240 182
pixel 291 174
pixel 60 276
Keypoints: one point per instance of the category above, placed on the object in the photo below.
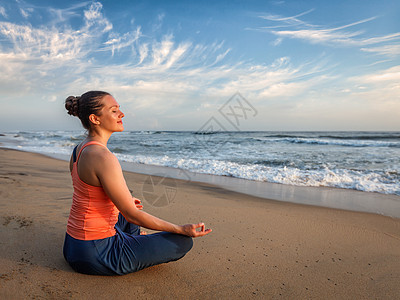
pixel 96 163
pixel 97 154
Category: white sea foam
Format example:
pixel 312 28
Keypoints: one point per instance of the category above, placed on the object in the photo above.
pixel 348 143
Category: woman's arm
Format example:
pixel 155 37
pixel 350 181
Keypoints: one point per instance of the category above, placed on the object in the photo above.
pixel 109 172
pixel 70 164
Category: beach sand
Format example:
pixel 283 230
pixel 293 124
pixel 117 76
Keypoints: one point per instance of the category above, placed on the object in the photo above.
pixel 258 248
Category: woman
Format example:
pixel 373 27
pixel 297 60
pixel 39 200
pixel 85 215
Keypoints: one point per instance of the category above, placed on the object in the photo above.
pixel 103 232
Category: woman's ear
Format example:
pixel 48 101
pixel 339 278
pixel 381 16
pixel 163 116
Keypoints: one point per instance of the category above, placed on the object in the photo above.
pixel 95 120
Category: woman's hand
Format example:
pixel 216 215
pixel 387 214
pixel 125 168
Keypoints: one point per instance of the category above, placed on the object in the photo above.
pixel 137 203
pixel 192 230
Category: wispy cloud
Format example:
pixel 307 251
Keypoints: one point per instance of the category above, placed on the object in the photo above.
pixel 317 36
pixel 380 39
pixel 45 58
pixel 390 75
pixel 331 36
pixel 94 17
pixel 341 36
pixel 158 23
pixel 61 16
pixel 3 12
pixel 26 12
pixel 386 50
pixel 291 20
pixel 117 42
pixel 380 92
pixel 277 42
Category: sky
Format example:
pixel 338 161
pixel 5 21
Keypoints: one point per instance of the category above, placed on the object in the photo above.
pixel 183 65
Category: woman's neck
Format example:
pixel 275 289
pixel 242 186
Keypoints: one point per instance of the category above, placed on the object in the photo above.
pixel 101 137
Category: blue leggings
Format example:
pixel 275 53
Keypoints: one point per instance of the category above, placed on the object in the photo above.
pixel 125 252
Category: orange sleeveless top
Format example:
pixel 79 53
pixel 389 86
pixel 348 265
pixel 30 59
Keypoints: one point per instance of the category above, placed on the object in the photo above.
pixel 93 215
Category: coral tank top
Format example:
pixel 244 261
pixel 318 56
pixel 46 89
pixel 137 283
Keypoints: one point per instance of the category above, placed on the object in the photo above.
pixel 93 215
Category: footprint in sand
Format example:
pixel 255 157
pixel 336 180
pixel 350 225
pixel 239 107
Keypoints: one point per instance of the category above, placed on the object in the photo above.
pixel 22 222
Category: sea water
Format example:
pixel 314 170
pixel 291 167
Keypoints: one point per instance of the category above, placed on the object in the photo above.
pixel 364 161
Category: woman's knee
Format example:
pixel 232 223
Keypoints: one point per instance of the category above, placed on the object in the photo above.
pixel 182 247
pixel 186 244
pixel 181 243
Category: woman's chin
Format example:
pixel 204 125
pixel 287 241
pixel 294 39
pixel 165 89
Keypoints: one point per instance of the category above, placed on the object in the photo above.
pixel 120 128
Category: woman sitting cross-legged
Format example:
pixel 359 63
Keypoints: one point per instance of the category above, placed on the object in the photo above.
pixel 103 232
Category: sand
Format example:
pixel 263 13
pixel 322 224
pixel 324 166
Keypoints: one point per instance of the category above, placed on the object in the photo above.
pixel 258 248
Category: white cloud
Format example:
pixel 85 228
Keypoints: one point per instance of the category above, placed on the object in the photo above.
pixel 222 56
pixel 158 23
pixel 391 75
pixel 3 12
pixel 380 93
pixel 161 50
pixel 380 39
pixel 292 20
pixel 277 42
pixel 143 52
pixel 42 44
pixel 161 17
pixel 24 13
pixel 337 36
pixel 94 17
pixel 316 36
pixel 60 16
pixel 118 42
pixel 386 50
pixel 177 54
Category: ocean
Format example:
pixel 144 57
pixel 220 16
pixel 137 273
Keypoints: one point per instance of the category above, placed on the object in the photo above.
pixel 364 161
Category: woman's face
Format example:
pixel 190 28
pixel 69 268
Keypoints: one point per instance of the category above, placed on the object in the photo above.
pixel 111 116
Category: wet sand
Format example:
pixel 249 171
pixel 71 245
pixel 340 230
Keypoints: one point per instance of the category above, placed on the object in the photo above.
pixel 259 248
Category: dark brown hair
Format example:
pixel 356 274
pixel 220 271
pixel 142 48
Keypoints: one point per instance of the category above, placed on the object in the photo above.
pixel 85 105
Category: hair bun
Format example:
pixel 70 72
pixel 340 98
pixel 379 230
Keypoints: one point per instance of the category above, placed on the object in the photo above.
pixel 72 105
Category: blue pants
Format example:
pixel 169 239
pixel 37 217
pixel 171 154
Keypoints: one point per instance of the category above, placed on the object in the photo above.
pixel 125 252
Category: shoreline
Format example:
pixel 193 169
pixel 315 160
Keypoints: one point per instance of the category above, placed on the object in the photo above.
pixel 338 198
pixel 259 248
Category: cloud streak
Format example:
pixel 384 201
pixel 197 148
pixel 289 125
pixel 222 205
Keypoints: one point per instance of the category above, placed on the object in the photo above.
pixel 337 36
pixel 289 21
pixel 386 50
pixel 3 12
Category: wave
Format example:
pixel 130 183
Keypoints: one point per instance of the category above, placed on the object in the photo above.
pixel 346 143
pixel 274 163
pixel 336 135
pixel 145 132
pixel 337 142
pixel 364 137
pixel 283 136
pixel 118 150
pixel 208 132
pixel 77 137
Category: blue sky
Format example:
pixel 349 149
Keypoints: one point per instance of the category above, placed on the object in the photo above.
pixel 302 65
